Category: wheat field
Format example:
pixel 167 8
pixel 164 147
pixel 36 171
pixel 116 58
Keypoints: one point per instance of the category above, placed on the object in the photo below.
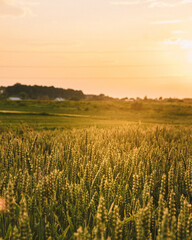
pixel 126 182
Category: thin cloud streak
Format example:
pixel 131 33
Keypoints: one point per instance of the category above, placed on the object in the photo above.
pixel 89 66
pixel 85 52
pixel 151 3
pixel 126 3
pixel 167 21
pixel 96 78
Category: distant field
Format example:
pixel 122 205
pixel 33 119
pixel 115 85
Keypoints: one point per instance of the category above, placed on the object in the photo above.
pixel 78 114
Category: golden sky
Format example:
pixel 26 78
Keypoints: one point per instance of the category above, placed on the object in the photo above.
pixel 116 47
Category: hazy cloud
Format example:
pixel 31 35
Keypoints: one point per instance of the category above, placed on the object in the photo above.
pixel 167 4
pixel 11 8
pixel 182 43
pixel 17 8
pixel 178 32
pixel 161 4
pixel 186 1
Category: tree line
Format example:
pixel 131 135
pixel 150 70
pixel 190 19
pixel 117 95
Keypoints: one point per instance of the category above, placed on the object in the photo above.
pixel 41 92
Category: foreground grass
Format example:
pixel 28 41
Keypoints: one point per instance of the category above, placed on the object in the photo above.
pixel 126 182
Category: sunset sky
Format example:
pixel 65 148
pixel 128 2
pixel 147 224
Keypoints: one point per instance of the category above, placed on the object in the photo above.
pixel 116 47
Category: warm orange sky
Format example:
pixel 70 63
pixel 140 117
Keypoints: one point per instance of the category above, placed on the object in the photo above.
pixel 116 47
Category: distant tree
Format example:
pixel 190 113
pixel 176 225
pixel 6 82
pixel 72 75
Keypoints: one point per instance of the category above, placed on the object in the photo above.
pixel 160 98
pixel 23 95
pixel 124 99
